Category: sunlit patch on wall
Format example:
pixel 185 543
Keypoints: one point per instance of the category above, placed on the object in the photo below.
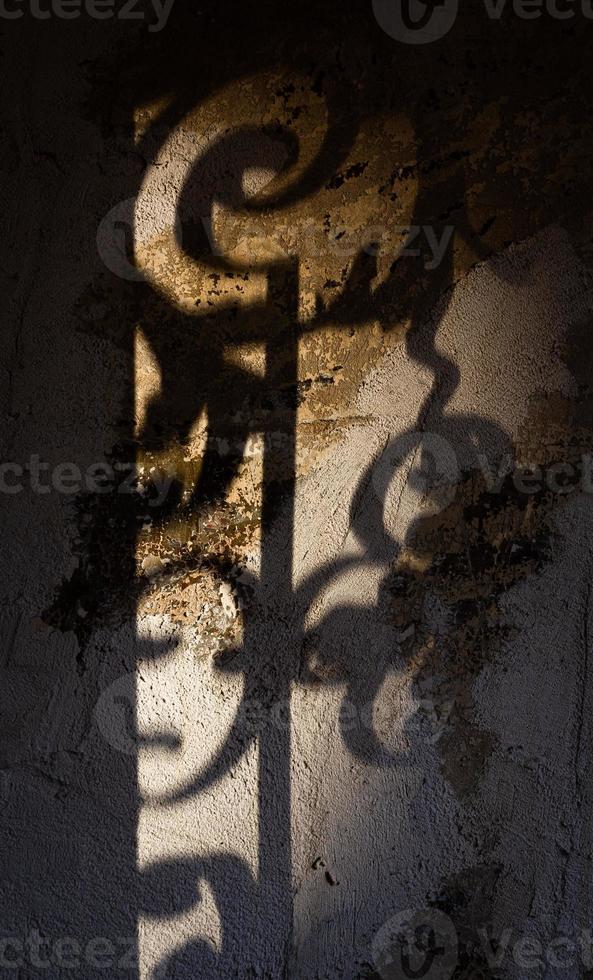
pixel 147 381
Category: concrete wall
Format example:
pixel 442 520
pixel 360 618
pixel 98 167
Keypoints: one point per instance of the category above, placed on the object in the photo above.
pixel 297 638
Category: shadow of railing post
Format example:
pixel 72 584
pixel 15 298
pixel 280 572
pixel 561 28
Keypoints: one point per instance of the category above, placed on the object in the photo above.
pixel 275 838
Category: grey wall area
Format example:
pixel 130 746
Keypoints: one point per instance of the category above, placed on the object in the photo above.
pixel 296 483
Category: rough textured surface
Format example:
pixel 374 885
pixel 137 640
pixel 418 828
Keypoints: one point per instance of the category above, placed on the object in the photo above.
pixel 326 661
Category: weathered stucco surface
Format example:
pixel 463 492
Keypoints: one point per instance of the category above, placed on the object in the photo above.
pixel 327 661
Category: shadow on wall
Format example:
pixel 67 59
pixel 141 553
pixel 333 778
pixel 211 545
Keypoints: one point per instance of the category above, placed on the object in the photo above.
pixel 472 100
